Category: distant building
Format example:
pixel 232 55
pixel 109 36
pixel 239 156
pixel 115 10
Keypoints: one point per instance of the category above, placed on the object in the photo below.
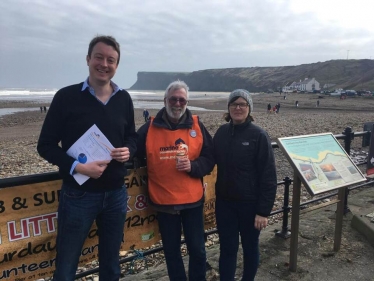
pixel 308 85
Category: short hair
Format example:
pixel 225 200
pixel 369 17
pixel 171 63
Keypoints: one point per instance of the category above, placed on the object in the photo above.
pixel 106 39
pixel 176 85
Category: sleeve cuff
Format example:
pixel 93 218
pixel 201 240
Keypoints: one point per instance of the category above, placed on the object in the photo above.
pixel 72 169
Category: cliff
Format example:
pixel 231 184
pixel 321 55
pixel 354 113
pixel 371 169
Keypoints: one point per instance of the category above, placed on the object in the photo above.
pixel 346 74
pixel 157 80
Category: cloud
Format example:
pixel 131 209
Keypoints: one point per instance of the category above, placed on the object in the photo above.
pixel 44 42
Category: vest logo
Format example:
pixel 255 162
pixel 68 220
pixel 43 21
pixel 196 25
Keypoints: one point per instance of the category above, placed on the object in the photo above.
pixel 168 148
pixel 245 143
pixel 176 151
pixel 173 147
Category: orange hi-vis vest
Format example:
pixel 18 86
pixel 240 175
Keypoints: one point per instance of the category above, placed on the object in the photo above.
pixel 167 185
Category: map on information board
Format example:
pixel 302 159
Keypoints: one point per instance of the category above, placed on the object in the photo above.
pixel 320 161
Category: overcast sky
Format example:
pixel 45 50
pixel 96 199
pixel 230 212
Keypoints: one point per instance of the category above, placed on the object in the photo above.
pixel 43 43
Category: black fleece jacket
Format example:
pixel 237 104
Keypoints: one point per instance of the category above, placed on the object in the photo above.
pixel 245 166
pixel 71 114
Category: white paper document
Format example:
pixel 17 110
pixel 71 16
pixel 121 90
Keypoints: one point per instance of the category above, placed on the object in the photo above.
pixel 91 146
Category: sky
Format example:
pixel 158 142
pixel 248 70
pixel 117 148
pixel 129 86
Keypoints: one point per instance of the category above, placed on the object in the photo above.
pixel 43 43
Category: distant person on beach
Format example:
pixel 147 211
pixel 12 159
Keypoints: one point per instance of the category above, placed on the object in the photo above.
pixel 103 197
pixel 45 109
pixel 278 107
pixel 179 153
pixel 297 103
pixel 317 103
pixel 269 108
pixel 41 109
pixel 245 188
pixel 145 115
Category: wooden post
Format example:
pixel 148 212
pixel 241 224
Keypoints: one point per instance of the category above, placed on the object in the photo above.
pixel 339 219
pixel 295 222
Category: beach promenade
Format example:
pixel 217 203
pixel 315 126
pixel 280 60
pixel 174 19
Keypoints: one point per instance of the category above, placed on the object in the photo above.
pixel 316 259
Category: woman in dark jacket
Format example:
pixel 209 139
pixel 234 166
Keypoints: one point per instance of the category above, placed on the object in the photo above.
pixel 245 188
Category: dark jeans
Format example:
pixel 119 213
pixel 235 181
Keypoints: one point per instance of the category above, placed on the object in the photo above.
pixel 77 211
pixel 234 218
pixel 170 226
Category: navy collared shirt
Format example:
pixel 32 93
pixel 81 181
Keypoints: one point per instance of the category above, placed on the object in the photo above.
pixel 92 91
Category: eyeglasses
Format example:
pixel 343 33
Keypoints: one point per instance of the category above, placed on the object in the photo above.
pixel 174 100
pixel 241 105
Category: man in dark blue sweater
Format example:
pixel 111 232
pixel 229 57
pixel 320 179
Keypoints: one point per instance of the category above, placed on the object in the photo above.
pixel 103 197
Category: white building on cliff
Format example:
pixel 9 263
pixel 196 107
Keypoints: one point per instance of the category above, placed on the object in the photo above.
pixel 308 85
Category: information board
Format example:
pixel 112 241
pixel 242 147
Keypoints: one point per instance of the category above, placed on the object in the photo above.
pixel 320 162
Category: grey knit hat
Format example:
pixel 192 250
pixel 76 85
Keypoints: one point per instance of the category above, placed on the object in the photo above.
pixel 243 94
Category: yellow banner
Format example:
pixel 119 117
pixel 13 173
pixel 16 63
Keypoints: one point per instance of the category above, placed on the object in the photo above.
pixel 210 200
pixel 28 225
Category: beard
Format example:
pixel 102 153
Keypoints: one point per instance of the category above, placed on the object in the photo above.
pixel 175 112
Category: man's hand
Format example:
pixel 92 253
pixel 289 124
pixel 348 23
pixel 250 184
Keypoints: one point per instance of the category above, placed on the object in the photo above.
pixel 121 154
pixel 93 169
pixel 261 222
pixel 183 165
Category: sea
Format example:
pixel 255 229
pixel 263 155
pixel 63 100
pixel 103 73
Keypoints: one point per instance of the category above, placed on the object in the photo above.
pixel 141 99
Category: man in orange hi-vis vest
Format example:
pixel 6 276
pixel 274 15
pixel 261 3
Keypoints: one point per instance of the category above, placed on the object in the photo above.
pixel 178 151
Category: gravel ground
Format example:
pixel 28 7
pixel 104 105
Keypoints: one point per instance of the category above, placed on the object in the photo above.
pixel 19 132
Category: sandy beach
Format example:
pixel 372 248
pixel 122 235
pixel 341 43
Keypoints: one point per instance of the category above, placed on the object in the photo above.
pixel 19 132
